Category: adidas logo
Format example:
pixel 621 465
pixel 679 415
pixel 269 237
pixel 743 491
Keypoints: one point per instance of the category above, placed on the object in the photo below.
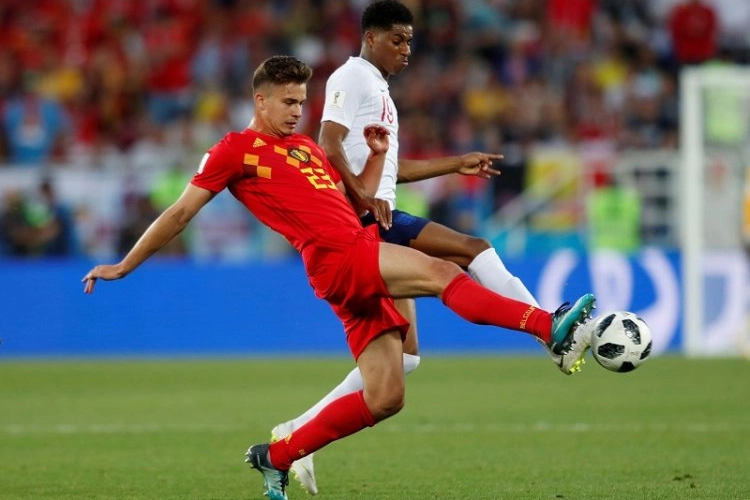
pixel 258 142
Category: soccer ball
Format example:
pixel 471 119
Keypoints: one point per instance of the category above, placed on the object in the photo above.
pixel 620 341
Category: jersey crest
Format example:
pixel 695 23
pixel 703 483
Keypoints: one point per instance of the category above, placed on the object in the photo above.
pixel 299 155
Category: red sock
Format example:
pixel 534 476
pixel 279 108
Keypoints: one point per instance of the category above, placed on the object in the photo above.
pixel 482 306
pixel 340 418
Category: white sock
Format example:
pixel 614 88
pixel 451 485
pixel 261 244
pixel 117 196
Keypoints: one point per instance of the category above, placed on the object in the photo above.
pixel 490 272
pixel 411 362
pixel 351 383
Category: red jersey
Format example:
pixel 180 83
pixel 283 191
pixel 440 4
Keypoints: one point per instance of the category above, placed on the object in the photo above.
pixel 287 183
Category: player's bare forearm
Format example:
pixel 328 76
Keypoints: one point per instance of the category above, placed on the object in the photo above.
pixel 418 170
pixel 370 177
pixel 366 185
pixel 163 230
pixel 479 164
pixel 159 233
pixel 378 142
pixel 168 225
pixel 331 140
pixel 355 188
pixel 372 173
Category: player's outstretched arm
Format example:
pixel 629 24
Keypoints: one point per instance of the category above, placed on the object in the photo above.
pixel 168 225
pixel 474 163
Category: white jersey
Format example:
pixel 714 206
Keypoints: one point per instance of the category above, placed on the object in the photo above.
pixel 356 96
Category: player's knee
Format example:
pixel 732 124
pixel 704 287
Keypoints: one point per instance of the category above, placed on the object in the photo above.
pixel 387 403
pixel 470 247
pixel 392 405
pixel 443 272
pixel 444 269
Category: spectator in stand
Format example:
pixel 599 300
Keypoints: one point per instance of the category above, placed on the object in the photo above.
pixel 35 127
pixel 10 85
pixel 694 28
pixel 570 22
pixel 169 39
pixel 36 226
pixel 171 73
pixel 16 234
pixel 56 224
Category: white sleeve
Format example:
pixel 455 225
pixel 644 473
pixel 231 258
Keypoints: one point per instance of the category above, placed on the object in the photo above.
pixel 342 99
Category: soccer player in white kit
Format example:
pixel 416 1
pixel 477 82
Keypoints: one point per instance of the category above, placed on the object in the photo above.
pixel 357 95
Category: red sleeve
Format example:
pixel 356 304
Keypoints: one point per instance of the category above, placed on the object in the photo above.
pixel 218 168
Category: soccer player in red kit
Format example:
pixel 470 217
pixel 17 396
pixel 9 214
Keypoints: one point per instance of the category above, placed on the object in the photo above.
pixel 285 180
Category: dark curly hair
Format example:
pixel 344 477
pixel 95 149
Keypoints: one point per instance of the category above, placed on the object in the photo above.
pixel 280 70
pixel 384 14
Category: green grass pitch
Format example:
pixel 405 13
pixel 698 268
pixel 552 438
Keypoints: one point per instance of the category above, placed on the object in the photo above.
pixel 493 427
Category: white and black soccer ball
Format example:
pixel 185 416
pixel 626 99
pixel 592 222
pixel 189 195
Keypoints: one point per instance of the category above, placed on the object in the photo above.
pixel 620 341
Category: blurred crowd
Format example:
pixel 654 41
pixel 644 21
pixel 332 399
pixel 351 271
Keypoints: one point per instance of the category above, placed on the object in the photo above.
pixel 143 85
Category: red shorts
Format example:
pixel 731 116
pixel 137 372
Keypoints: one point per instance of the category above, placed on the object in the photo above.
pixel 350 281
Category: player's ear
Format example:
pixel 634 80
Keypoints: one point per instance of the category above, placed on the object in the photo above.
pixel 369 38
pixel 260 100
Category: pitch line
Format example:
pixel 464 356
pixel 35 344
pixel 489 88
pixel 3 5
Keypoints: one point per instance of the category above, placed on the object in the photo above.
pixel 542 426
pixel 145 428
pixel 391 427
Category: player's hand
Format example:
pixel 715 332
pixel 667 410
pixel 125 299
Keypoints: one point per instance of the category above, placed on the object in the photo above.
pixel 377 138
pixel 479 164
pixel 381 210
pixel 106 272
